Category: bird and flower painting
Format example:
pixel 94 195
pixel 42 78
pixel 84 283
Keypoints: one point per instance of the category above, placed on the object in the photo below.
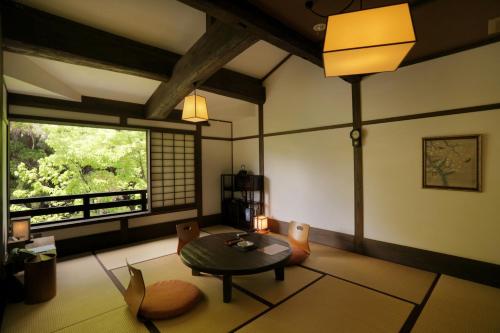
pixel 452 162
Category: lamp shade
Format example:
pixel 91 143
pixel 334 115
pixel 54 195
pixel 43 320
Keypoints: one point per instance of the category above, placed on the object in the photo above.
pixel 195 108
pixel 21 228
pixel 368 41
pixel 260 223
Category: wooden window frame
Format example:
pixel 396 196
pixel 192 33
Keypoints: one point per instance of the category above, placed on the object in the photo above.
pixel 180 207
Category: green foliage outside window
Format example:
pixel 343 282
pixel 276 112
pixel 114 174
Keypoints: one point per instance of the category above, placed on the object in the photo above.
pixel 54 160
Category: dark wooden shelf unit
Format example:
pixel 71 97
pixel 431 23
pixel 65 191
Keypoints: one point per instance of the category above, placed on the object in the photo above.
pixel 238 199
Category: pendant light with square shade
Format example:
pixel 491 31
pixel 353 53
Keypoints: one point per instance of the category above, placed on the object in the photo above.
pixel 195 108
pixel 367 41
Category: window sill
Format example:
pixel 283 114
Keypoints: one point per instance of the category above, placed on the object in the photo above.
pixel 79 223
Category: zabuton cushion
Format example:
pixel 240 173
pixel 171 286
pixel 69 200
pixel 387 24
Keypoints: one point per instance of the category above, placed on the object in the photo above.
pixel 167 299
pixel 298 256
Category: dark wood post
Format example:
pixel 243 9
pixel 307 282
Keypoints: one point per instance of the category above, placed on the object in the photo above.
pixel 86 207
pixel 358 167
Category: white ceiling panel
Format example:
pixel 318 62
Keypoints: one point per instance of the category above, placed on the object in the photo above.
pixel 96 82
pixel 121 87
pixel 167 24
pixel 257 60
pixel 16 86
pixel 18 69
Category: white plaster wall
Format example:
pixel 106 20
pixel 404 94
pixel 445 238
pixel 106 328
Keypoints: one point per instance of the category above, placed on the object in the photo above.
pixel 246 152
pixel 216 160
pixel 456 81
pixel 84 230
pixel 217 129
pixel 161 218
pixel 309 179
pixel 299 96
pixel 397 208
pixel 309 176
pixel 246 126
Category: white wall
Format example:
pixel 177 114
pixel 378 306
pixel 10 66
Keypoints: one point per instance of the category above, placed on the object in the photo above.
pixel 217 129
pixel 216 160
pixel 460 80
pixel 246 152
pixel 397 209
pixel 309 176
pixel 246 126
pixel 309 179
pixel 299 96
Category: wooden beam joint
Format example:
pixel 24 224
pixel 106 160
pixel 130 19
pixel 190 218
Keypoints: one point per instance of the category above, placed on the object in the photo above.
pixel 214 49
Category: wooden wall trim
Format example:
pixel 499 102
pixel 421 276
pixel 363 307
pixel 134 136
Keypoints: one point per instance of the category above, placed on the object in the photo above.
pixel 450 112
pixel 464 268
pixel 246 137
pixel 310 129
pixel 216 138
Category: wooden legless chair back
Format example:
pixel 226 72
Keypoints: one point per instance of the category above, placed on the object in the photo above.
pixel 186 233
pixel 298 235
pixel 134 295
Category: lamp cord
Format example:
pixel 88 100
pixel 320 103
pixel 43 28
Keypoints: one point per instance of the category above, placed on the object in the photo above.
pixel 310 6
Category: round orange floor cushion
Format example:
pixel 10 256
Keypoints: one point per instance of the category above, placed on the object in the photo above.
pixel 166 299
pixel 298 256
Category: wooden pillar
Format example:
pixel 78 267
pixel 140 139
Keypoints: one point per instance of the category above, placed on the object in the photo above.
pixel 358 168
pixel 261 139
pixel 198 172
pixel 4 214
pixel 261 155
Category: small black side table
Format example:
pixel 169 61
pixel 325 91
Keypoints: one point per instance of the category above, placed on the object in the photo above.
pixel 40 274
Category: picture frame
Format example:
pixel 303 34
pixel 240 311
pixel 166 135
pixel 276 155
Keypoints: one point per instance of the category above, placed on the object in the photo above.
pixel 452 162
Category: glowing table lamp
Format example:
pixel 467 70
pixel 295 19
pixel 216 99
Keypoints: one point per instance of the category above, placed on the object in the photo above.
pixel 260 224
pixel 368 41
pixel 21 228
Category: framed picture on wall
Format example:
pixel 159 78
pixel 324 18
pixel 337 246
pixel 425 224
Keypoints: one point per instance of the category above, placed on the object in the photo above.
pixel 452 163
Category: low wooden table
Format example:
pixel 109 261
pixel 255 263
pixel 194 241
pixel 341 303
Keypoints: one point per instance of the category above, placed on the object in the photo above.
pixel 209 254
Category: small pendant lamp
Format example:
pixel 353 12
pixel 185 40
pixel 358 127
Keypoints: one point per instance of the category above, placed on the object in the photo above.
pixel 195 108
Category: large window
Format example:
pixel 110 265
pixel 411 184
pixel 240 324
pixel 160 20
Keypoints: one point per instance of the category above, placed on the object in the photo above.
pixel 62 172
pixel 172 170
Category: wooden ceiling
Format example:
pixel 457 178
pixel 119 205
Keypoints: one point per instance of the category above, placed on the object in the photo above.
pixel 441 26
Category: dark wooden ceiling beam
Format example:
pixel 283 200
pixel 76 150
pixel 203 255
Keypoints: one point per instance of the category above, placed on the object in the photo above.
pixel 92 105
pixel 33 32
pixel 219 45
pixel 262 25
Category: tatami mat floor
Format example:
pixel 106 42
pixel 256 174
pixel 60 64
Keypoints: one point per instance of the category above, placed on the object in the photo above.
pixel 333 291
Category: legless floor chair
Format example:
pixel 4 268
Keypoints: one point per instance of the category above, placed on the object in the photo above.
pixel 161 300
pixel 298 237
pixel 186 233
